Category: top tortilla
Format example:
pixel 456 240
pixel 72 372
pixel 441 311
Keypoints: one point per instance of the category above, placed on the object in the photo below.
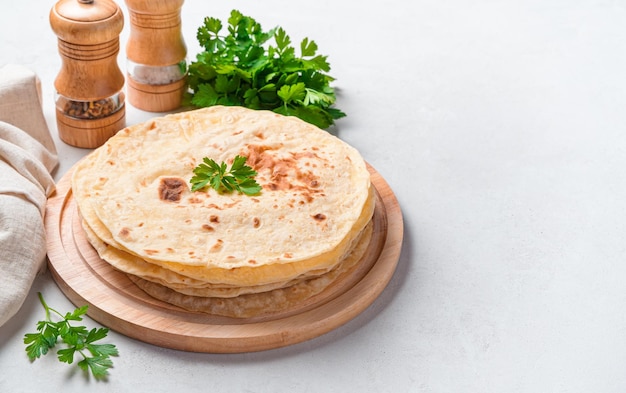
pixel 315 200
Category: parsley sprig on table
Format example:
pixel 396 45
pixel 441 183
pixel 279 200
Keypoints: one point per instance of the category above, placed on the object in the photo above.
pixel 239 177
pixel 77 339
pixel 244 68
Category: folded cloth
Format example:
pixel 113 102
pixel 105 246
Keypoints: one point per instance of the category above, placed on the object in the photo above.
pixel 27 158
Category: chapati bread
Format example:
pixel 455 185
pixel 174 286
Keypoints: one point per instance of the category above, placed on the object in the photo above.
pixel 175 275
pixel 140 269
pixel 277 301
pixel 316 199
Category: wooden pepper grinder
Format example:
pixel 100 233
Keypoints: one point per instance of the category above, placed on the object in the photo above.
pixel 89 87
pixel 156 53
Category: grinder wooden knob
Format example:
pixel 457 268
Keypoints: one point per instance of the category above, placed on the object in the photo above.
pixel 156 54
pixel 89 87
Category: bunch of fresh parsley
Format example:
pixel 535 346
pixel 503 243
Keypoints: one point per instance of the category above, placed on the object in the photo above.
pixel 244 68
pixel 77 339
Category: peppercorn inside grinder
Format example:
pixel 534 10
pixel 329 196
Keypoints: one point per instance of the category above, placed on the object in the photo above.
pixel 156 55
pixel 89 87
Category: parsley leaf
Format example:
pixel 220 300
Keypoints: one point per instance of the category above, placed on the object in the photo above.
pixel 96 357
pixel 239 177
pixel 258 69
pixel 98 365
pixel 292 93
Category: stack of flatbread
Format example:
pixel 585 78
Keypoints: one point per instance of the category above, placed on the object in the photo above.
pixel 224 253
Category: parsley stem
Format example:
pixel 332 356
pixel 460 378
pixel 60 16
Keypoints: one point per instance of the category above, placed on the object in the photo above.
pixel 48 308
pixel 45 305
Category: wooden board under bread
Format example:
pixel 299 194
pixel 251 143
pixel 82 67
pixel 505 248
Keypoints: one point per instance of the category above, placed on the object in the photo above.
pixel 116 302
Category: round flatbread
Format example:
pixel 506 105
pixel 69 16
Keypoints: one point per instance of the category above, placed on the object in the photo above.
pixel 140 269
pixel 273 302
pixel 316 198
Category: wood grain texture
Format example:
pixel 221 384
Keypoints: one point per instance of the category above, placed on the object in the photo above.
pixel 88 44
pixel 155 32
pixel 117 303
pixel 155 40
pixel 89 133
pixel 155 98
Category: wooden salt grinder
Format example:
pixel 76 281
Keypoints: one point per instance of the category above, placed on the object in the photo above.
pixel 89 87
pixel 156 53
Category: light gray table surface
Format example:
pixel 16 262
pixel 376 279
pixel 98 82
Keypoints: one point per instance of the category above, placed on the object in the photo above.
pixel 501 128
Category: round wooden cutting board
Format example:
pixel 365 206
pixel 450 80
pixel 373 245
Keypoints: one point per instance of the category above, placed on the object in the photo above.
pixel 116 302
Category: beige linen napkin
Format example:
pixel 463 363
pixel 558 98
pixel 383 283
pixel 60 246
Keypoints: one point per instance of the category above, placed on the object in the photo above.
pixel 27 157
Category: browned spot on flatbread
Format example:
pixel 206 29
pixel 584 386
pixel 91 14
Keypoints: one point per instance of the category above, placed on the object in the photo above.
pixel 217 246
pixel 223 207
pixel 124 233
pixel 284 172
pixel 171 189
pixel 319 217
